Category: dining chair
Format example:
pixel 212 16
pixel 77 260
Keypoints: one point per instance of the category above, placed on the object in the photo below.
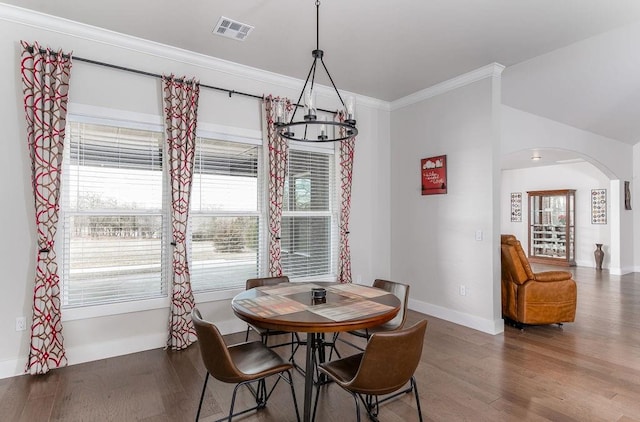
pixel 242 364
pixel 259 282
pixel 263 332
pixel 387 364
pixel 401 291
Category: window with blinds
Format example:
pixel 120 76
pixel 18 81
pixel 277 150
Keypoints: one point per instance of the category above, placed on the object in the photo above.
pixel 308 238
pixel 112 215
pixel 225 219
pixel 115 215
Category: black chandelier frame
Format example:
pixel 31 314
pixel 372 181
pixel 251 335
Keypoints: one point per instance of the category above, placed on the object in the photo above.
pixel 349 124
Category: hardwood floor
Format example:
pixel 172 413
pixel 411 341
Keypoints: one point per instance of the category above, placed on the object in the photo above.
pixel 585 371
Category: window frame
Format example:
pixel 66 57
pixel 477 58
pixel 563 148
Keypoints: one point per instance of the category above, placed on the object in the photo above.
pixel 330 149
pixel 83 113
pixel 215 132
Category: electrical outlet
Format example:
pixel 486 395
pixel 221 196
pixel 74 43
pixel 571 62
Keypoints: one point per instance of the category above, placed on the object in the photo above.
pixel 21 323
pixel 463 290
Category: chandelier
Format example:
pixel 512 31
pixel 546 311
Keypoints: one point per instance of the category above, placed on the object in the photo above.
pixel 314 128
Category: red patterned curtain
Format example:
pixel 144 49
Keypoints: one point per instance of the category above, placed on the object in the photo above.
pixel 45 83
pixel 278 156
pixel 347 148
pixel 180 115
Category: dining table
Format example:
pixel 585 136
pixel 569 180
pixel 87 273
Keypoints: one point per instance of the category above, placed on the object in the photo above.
pixel 315 308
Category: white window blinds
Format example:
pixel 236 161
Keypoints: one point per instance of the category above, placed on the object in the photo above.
pixel 114 225
pixel 225 217
pixel 308 225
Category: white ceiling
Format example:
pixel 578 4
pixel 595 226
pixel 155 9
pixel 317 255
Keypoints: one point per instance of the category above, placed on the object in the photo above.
pixel 574 61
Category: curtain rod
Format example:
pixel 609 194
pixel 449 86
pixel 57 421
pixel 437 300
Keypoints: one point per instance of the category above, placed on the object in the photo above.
pixel 156 75
pixel 231 92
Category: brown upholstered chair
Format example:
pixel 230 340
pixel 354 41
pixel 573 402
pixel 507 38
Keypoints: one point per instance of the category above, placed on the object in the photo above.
pixel 402 292
pixel 242 364
pixel 263 332
pixel 547 297
pixel 386 366
pixel 259 282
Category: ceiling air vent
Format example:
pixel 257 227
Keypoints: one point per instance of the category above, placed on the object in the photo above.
pixel 232 29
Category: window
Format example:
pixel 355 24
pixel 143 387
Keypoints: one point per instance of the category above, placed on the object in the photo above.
pixel 225 217
pixel 115 214
pixel 112 214
pixel 308 224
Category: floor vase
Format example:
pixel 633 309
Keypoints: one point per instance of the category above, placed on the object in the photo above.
pixel 599 256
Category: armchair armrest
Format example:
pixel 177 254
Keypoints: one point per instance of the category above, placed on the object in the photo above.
pixel 552 276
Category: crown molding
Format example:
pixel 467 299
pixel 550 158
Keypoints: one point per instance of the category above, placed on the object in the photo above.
pixel 492 70
pixel 79 30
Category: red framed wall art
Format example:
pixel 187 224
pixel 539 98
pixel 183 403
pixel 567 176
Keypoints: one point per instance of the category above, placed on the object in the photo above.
pixel 434 175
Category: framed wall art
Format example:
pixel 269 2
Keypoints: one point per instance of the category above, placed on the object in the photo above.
pixel 598 206
pixel 516 207
pixel 433 173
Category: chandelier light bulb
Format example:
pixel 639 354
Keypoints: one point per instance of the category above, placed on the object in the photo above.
pixel 323 129
pixel 310 105
pixel 280 112
pixel 350 115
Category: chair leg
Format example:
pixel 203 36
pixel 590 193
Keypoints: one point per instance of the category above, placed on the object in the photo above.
pixel 371 405
pixel 295 344
pixel 233 402
pixel 415 391
pixel 315 404
pixel 355 399
pixel 333 346
pixel 204 389
pixel 261 395
pixel 293 394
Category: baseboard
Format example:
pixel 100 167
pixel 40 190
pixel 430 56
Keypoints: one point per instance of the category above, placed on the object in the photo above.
pixel 612 270
pixel 586 263
pixel 623 270
pixel 12 368
pixel 109 349
pixel 471 321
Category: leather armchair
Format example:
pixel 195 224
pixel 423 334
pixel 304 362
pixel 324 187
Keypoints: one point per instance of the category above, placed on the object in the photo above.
pixel 547 297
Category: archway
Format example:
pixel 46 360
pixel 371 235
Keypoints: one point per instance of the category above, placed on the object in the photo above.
pixel 557 168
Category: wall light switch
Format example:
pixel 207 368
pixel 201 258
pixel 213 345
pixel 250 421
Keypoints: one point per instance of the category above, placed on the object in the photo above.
pixel 478 235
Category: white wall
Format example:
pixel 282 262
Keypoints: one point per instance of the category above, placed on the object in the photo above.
pixel 433 244
pixel 579 176
pixel 522 130
pixel 99 337
pixel 525 131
